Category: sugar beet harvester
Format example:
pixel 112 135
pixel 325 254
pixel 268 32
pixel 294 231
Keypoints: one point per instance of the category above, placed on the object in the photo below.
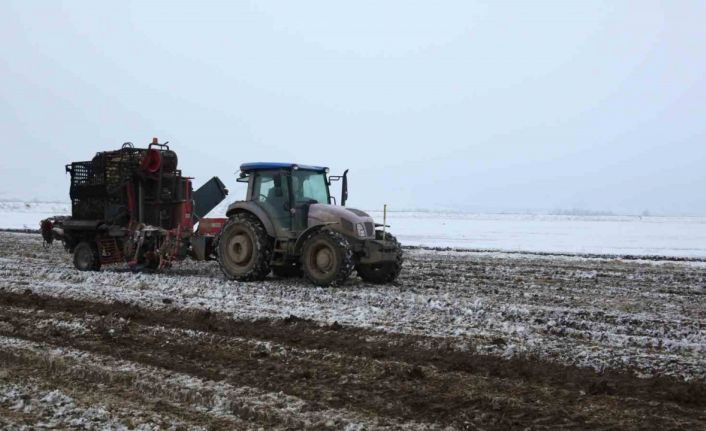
pixel 133 205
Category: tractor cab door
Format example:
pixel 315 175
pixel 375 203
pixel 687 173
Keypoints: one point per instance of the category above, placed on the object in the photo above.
pixel 308 187
pixel 270 191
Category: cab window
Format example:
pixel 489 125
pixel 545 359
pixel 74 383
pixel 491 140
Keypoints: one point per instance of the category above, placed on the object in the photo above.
pixel 270 187
pixel 310 186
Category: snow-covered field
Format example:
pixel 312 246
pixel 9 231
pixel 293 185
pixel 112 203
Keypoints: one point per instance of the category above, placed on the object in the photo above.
pixel 648 316
pixel 617 235
pixel 463 340
pixel 500 322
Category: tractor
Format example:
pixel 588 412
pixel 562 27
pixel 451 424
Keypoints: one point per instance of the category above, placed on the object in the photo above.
pixel 289 224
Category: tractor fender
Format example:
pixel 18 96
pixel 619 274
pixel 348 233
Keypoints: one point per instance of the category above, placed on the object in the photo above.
pixel 254 209
pixel 305 234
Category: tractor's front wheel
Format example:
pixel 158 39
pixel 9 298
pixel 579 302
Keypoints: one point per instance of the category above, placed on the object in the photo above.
pixel 385 272
pixel 86 257
pixel 244 249
pixel 327 258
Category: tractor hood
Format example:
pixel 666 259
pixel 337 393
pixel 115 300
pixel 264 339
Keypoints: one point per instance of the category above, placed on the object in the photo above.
pixel 346 218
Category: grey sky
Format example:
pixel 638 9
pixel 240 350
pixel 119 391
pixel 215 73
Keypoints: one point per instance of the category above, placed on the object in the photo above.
pixel 467 105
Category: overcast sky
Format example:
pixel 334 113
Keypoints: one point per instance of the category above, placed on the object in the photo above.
pixel 488 106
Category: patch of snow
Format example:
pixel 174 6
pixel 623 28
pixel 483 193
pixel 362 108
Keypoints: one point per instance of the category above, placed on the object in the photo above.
pixel 27 215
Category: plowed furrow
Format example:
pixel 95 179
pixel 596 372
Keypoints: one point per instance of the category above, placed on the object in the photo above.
pixel 393 379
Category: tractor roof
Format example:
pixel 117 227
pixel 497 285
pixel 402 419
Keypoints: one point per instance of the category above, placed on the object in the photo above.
pixel 259 166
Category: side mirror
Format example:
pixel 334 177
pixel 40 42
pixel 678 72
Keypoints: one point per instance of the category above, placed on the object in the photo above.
pixel 344 188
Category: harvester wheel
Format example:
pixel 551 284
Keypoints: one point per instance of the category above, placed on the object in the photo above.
pixel 86 257
pixel 386 272
pixel 327 258
pixel 286 271
pixel 244 249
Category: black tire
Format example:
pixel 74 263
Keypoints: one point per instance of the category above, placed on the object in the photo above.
pixel 244 249
pixel 287 271
pixel 327 258
pixel 151 260
pixel 386 272
pixel 86 257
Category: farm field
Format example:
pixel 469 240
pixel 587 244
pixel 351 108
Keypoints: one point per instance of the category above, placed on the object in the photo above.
pixel 463 340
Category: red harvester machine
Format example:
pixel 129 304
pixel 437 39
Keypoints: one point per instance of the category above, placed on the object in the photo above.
pixel 133 205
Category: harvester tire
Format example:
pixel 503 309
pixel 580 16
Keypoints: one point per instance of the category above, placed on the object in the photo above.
pixel 244 249
pixel 327 258
pixel 86 257
pixel 386 272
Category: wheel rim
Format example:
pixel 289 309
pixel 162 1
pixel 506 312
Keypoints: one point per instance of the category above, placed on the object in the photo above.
pixel 239 248
pixel 322 259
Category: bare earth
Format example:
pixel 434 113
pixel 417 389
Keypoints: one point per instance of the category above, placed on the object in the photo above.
pixel 464 340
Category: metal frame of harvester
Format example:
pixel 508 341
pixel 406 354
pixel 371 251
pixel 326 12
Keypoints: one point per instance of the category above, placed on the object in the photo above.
pixel 133 205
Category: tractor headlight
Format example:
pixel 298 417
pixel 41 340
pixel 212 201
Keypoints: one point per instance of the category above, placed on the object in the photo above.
pixel 360 229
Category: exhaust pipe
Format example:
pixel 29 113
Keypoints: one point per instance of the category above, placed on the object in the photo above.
pixel 344 188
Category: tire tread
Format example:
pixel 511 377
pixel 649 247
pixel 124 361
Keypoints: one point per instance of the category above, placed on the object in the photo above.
pixel 386 272
pixel 347 266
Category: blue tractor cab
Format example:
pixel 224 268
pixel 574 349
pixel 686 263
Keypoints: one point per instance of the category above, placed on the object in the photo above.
pixel 259 166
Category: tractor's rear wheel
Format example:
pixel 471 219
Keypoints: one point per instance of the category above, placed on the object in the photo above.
pixel 327 258
pixel 86 257
pixel 384 272
pixel 244 249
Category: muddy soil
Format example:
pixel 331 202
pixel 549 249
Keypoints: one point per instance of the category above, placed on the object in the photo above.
pixel 389 381
pixel 73 361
